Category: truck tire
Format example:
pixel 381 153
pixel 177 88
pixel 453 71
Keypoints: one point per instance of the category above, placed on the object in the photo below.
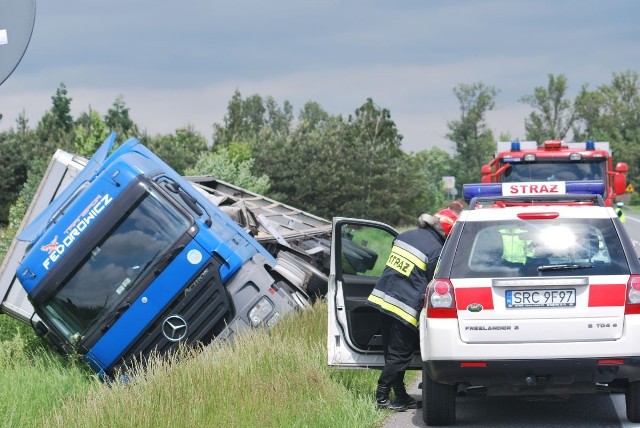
pixel 632 399
pixel 438 402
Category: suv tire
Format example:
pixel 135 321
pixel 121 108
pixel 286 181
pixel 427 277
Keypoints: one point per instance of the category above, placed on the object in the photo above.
pixel 632 400
pixel 438 402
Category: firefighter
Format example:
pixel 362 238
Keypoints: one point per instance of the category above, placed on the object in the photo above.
pixel 619 212
pixel 399 296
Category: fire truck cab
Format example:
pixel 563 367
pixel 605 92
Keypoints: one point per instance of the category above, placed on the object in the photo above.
pixel 556 160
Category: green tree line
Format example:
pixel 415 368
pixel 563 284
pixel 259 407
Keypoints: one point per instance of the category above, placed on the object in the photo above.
pixel 330 164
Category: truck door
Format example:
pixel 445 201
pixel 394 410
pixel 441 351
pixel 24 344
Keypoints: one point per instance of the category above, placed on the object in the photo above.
pixel 359 252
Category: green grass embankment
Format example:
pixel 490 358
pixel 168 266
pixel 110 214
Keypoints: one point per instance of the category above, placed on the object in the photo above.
pixel 269 378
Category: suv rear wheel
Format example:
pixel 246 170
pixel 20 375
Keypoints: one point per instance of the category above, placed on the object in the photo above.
pixel 438 402
pixel 632 398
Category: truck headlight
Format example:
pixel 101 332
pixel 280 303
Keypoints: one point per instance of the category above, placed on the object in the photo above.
pixel 259 312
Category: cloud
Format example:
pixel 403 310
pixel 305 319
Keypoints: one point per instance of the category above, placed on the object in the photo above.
pixel 179 63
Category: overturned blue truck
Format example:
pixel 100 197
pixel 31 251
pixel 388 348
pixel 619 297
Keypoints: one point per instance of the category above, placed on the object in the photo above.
pixel 120 257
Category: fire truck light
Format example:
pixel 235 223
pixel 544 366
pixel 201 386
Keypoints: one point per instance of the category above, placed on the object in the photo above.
pixel 529 158
pixel 515 146
pixel 492 190
pixel 575 157
pixel 591 145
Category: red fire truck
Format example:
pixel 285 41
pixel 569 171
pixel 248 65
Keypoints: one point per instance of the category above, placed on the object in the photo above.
pixel 555 160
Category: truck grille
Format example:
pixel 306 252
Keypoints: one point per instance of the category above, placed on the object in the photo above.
pixel 200 311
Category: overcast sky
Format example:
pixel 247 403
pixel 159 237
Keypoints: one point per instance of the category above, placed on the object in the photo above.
pixel 179 62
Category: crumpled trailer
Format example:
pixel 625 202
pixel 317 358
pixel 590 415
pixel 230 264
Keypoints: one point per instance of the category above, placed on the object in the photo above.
pixel 300 241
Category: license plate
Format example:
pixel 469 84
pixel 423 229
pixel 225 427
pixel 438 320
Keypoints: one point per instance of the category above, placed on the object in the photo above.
pixel 540 298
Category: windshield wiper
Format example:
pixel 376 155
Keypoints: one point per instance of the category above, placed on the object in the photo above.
pixel 166 258
pixel 566 266
pixel 115 315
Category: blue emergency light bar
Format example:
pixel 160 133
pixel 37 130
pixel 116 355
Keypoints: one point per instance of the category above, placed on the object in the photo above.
pixel 542 188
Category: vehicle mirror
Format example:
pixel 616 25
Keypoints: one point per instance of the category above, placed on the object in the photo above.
pixel 619 183
pixel 16 26
pixel 486 169
pixel 622 167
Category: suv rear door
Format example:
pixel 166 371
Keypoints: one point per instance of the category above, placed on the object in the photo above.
pixel 359 252
pixel 573 291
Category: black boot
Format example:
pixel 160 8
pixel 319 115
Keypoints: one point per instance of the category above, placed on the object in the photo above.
pixel 382 397
pixel 402 399
pixel 383 401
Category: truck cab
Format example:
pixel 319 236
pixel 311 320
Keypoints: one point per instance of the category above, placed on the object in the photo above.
pixel 556 160
pixel 131 260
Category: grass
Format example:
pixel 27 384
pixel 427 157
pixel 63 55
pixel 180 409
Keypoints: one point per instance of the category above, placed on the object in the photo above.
pixel 34 380
pixel 634 209
pixel 269 378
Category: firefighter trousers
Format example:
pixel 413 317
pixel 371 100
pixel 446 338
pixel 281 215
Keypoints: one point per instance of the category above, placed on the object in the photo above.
pixel 400 342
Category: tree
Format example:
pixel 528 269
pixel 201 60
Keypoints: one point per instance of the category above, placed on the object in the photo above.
pixel 244 120
pixel 252 120
pixel 180 150
pixel 233 166
pixel 555 113
pixel 313 170
pixel 384 180
pixel 13 175
pixel 612 113
pixel 18 149
pixel 55 128
pixel 117 119
pixel 90 133
pixel 474 142
pixel 431 165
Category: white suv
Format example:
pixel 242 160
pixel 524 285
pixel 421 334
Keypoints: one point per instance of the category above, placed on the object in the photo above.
pixel 536 293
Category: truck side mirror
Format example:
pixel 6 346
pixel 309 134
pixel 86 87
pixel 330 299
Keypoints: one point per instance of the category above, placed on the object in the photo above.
pixel 619 183
pixel 486 174
pixel 622 167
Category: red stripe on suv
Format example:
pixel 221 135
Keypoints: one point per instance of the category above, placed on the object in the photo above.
pixel 607 294
pixel 475 295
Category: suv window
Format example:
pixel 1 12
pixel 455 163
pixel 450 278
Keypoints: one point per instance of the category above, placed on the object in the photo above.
pixel 539 248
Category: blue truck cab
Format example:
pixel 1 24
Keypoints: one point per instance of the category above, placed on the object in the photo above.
pixel 131 260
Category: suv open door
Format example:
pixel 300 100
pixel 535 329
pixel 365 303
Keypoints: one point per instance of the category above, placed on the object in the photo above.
pixel 359 253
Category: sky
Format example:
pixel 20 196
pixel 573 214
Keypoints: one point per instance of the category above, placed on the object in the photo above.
pixel 178 63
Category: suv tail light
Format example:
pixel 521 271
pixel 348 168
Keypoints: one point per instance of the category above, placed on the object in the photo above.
pixel 632 305
pixel 440 300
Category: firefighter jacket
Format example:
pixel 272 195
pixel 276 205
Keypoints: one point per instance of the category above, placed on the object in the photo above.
pixel 400 290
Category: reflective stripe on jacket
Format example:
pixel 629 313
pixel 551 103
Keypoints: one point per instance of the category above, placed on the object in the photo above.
pixel 400 290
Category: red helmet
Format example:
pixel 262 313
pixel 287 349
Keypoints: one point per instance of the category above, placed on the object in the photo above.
pixel 447 218
pixel 456 206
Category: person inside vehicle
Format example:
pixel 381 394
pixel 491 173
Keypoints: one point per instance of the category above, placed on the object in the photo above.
pixel 619 211
pixel 399 296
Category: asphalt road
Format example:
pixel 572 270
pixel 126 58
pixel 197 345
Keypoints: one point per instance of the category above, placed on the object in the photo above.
pixel 601 410
pixel 580 411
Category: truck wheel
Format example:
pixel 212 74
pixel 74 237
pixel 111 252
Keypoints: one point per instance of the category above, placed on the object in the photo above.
pixel 438 402
pixel 632 399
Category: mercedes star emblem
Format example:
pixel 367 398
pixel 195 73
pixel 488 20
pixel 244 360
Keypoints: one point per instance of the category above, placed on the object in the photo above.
pixel 174 328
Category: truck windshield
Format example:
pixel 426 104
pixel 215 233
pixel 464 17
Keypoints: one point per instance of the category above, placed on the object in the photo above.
pixel 99 284
pixel 543 170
